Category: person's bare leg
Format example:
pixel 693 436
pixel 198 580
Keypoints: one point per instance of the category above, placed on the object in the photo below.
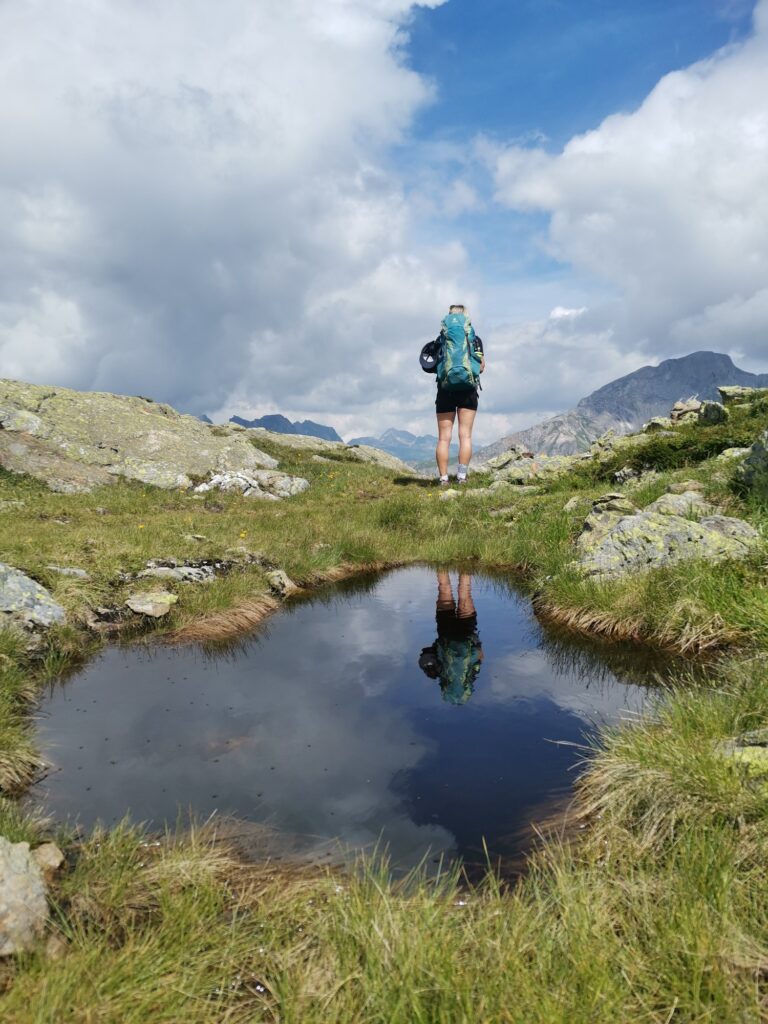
pixel 444 592
pixel 444 431
pixel 466 422
pixel 466 604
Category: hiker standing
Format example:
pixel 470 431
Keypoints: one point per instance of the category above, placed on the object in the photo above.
pixel 457 358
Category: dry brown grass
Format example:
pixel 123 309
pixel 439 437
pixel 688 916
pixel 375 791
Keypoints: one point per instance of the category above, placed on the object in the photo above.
pixel 222 626
pixel 589 622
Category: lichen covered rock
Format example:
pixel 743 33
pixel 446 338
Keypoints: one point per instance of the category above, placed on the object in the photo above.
pixel 24 601
pixel 76 440
pixel 651 539
pixel 688 503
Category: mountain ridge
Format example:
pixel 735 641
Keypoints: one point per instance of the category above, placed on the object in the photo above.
pixel 282 425
pixel 626 403
pixel 411 448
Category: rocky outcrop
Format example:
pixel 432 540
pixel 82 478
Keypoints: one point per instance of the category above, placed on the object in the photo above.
pixel 752 474
pixel 25 602
pixel 258 484
pixel 617 538
pixel 739 395
pixel 75 441
pixel 23 902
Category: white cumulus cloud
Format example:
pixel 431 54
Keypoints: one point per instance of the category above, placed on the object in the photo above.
pixel 668 206
pixel 196 201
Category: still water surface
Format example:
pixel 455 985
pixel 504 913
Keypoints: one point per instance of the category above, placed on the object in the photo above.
pixel 424 711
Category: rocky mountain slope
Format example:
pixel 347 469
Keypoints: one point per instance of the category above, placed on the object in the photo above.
pixel 625 404
pixel 282 425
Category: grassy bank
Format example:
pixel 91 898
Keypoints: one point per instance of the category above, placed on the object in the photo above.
pixel 657 914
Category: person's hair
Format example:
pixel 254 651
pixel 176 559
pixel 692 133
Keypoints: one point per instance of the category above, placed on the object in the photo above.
pixel 456 307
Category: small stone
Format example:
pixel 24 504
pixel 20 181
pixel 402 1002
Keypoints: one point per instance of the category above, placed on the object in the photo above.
pixel 182 574
pixel 67 570
pixel 732 453
pixel 685 485
pixel 448 494
pixel 658 423
pixel 155 603
pixel 614 502
pixel 280 583
pixel 194 537
pixel 56 947
pixel 622 476
pixel 572 504
pixel 687 503
pixel 49 859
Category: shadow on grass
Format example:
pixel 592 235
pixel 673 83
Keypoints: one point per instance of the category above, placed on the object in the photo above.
pixel 415 481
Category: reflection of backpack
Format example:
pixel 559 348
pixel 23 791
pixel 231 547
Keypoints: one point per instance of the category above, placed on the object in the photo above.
pixel 458 663
pixel 458 365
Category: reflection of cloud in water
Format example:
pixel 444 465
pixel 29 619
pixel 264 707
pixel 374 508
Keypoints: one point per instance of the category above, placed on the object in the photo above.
pixel 531 674
pixel 312 759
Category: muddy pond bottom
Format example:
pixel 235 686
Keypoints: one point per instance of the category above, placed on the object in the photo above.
pixel 427 712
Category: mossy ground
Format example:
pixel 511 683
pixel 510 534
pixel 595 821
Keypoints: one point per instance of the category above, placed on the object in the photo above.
pixel 658 912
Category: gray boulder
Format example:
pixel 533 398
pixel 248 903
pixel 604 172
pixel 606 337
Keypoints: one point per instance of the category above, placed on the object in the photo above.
pixel 25 601
pixel 712 413
pixel 23 903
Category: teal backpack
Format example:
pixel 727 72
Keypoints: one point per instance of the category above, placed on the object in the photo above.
pixel 458 663
pixel 458 367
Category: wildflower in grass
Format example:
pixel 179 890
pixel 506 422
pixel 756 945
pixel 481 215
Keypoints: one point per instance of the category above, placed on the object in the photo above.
pixel 141 526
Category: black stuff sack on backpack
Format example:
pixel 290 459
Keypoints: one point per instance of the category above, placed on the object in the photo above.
pixel 430 356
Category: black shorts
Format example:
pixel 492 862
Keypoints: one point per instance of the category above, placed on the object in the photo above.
pixel 451 627
pixel 450 401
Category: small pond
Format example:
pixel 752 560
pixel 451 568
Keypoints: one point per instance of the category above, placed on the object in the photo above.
pixel 426 711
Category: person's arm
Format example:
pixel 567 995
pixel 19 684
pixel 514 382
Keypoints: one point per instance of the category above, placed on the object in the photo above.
pixel 479 348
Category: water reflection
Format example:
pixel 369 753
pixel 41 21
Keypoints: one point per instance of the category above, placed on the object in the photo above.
pixel 457 654
pixel 322 725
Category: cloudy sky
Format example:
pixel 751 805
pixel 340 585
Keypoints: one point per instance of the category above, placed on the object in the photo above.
pixel 266 205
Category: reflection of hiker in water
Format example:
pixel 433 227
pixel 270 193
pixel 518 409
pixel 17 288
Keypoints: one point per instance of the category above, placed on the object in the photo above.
pixel 455 657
